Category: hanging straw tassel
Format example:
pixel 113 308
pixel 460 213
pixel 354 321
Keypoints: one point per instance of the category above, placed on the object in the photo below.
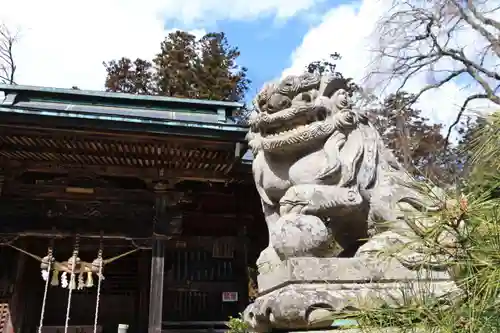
pixel 90 280
pixel 55 278
pixel 45 274
pixel 64 280
pixel 81 283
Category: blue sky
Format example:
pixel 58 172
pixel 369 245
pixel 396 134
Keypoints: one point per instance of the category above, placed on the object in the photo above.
pixel 63 43
pixel 266 43
pixel 266 53
pixel 267 32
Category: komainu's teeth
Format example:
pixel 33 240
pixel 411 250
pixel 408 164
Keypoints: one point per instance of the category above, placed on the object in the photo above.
pixel 288 131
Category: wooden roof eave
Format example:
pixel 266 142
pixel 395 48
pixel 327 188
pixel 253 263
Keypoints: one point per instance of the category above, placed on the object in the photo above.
pixel 32 119
pixel 121 123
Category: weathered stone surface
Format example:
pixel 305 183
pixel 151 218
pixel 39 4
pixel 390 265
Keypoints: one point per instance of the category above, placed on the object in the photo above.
pixel 338 271
pixel 313 305
pixel 324 176
pixel 365 330
pixel 306 292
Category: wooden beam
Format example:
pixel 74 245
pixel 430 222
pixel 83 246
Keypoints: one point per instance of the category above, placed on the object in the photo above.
pixel 143 172
pixel 118 150
pixel 18 189
pixel 28 205
pixel 186 141
pixel 210 196
pixel 85 209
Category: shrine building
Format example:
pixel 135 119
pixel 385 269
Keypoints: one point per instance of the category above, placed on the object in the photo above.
pixel 123 209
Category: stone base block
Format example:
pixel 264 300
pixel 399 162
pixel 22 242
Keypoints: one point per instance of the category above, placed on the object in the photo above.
pixel 365 330
pixel 306 293
pixel 341 270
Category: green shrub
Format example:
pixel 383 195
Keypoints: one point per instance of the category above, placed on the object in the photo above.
pixel 237 325
pixel 475 264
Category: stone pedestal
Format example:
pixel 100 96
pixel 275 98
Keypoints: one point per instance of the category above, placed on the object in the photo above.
pixel 359 330
pixel 306 293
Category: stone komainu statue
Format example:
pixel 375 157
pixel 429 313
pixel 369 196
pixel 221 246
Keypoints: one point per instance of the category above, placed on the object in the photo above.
pixel 324 175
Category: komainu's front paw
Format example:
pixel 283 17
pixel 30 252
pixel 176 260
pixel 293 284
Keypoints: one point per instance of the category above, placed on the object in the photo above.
pixel 320 200
pixel 299 199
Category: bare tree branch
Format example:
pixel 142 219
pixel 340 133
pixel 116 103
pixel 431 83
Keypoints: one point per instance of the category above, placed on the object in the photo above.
pixel 459 116
pixel 7 64
pixel 479 26
pixel 483 19
pixel 440 39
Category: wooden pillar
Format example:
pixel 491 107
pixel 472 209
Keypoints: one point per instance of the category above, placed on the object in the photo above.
pixel 156 285
pixel 19 303
pixel 164 225
pixel 244 301
pixel 143 297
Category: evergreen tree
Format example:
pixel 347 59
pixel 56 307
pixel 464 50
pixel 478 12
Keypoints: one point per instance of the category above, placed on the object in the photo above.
pixel 185 67
pixel 127 76
pixel 219 75
pixel 487 178
pixel 474 224
pixel 176 66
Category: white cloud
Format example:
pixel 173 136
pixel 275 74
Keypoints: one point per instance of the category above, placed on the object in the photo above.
pixel 64 42
pixel 348 29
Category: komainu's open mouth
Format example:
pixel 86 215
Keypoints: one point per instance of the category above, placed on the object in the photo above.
pixel 292 127
pixel 299 122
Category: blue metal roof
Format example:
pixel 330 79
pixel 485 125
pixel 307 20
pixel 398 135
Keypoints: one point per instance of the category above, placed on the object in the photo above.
pixel 83 94
pixel 120 111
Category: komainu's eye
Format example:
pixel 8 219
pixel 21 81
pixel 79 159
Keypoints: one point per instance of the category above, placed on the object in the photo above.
pixel 306 97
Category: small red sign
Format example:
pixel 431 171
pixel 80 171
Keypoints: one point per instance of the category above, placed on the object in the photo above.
pixel 230 296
